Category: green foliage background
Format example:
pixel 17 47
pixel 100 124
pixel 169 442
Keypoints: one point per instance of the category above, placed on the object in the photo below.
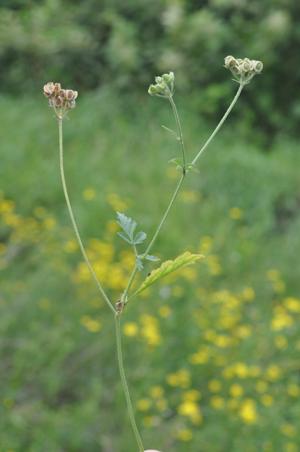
pixel 212 356
pixel 123 43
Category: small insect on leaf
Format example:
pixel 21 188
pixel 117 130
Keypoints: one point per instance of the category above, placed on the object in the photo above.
pixel 168 267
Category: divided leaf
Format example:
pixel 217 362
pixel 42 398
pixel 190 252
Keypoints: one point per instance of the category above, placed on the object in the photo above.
pixel 140 238
pixel 129 225
pixel 168 267
pixel 151 258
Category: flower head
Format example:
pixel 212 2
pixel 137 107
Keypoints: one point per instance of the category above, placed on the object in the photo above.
pixel 164 85
pixel 243 70
pixel 61 100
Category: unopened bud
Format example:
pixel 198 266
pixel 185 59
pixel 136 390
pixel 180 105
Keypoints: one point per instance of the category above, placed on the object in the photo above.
pixel 164 86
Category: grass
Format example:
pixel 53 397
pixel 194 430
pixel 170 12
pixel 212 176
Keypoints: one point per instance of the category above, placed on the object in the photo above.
pixel 211 355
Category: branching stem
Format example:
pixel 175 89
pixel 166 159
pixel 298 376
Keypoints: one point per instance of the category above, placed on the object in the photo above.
pixel 72 217
pixel 124 299
pixel 211 137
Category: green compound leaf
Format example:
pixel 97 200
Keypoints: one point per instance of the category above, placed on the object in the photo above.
pixel 127 224
pixel 168 267
pixel 151 258
pixel 139 238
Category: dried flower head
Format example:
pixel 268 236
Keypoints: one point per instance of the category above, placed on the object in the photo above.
pixel 164 85
pixel 61 100
pixel 243 70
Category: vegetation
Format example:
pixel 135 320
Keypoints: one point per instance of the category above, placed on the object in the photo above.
pixel 87 44
pixel 212 357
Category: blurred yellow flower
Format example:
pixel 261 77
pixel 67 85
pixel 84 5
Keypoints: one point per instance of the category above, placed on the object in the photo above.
pixel 291 447
pixel 185 435
pixel 130 329
pixel 164 311
pixel 143 404
pixel 292 304
pixel 267 400
pixel 248 294
pixel 150 330
pixel 261 386
pixel 116 202
pixel 214 386
pixel 206 244
pixel 193 395
pixel 49 223
pixel 181 379
pixel 248 411
pixel 235 213
pixel 148 421
pixel 200 357
pixel 191 410
pixel 156 392
pixel 236 390
pixel 92 325
pixel 217 402
pixel 281 342
pixel 293 390
pixel 161 404
pixel 288 430
pixel 273 372
pixel 189 196
pixel 88 194
pixel 71 246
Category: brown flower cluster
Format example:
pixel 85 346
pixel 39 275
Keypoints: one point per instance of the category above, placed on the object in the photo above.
pixel 59 98
pixel 243 69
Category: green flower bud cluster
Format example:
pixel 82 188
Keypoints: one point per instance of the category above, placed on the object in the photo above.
pixel 164 85
pixel 243 70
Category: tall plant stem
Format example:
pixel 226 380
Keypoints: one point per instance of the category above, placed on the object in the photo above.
pixel 173 198
pixel 179 130
pixel 125 385
pixel 72 217
pixel 211 137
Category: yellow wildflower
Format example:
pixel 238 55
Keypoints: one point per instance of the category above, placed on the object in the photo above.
pixel 267 400
pixel 156 392
pixel 217 402
pixel 143 404
pixel 214 386
pixel 185 435
pixel 236 390
pixel 130 329
pixel 293 390
pixel 164 311
pixel 92 325
pixel 235 213
pixel 248 411
pixel 89 194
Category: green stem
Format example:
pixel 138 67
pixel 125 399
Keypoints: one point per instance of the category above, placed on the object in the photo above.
pixel 149 247
pixel 241 86
pixel 73 221
pixel 174 196
pixel 125 385
pixel 179 130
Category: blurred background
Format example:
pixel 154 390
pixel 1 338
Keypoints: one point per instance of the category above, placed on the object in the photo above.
pixel 212 353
